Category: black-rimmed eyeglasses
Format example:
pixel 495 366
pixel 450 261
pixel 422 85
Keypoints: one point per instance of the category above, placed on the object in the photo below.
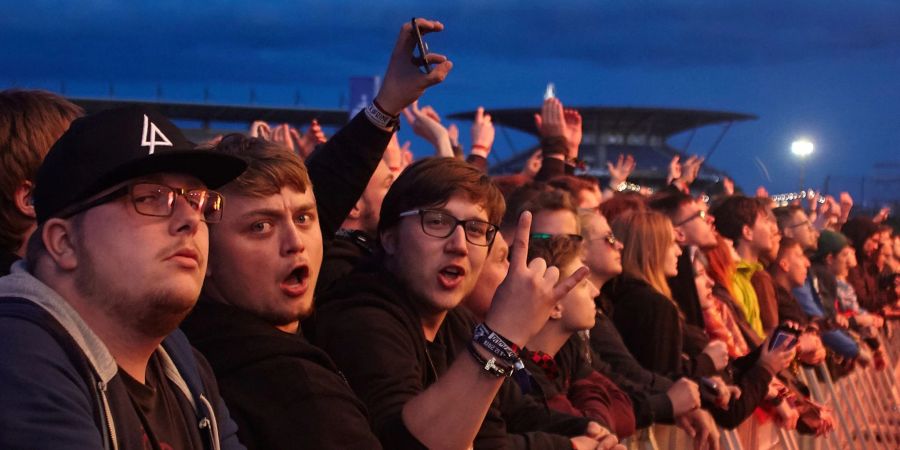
pixel 439 224
pixel 158 200
pixel 699 214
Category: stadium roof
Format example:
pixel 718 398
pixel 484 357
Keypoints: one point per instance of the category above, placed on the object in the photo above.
pixel 650 121
pixel 207 112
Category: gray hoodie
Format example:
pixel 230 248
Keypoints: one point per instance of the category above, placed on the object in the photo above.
pixel 45 400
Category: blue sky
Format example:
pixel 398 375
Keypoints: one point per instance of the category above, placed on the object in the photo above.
pixel 825 70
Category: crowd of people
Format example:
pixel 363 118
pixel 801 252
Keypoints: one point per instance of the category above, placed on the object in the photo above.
pixel 279 289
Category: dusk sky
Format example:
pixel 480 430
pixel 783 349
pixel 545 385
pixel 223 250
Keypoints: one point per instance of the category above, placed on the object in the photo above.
pixel 829 71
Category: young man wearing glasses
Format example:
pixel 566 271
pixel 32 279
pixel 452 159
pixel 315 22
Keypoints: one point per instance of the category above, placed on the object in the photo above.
pixel 91 354
pixel 266 256
pixel 382 323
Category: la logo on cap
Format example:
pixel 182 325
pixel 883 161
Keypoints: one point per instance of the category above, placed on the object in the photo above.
pixel 149 136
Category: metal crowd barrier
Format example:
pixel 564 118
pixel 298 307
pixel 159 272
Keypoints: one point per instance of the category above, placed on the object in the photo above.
pixel 865 406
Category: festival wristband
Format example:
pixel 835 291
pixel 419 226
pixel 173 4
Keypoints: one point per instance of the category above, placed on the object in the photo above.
pixel 490 365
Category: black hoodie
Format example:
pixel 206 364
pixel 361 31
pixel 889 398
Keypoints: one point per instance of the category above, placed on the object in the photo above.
pixel 282 391
pixel 370 326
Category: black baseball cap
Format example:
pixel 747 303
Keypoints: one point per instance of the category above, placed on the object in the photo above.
pixel 115 145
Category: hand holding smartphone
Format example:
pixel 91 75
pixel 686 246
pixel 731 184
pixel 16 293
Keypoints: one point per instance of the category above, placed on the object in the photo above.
pixel 422 48
pixel 786 335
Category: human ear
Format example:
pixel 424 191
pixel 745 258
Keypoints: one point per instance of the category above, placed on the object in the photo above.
pixel 679 235
pixel 22 198
pixel 783 265
pixel 747 233
pixel 59 241
pixel 389 240
pixel 557 311
pixel 356 212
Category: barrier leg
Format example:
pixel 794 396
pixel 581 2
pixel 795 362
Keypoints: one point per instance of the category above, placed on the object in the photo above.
pixel 808 376
pixel 847 422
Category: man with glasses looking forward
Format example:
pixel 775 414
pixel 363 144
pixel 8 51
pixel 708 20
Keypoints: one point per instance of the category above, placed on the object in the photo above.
pixel 91 355
pixel 382 323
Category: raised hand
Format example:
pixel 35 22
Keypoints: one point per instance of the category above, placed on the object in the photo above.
pixel 728 186
pixel 691 169
pixel 453 134
pixel 482 133
pixel 260 129
pixel 425 122
pixel 674 169
pixel 551 121
pixel 620 172
pixel 282 135
pixel 403 81
pixel 308 141
pixel 524 300
pixel 846 202
pixel 406 156
pixel 573 131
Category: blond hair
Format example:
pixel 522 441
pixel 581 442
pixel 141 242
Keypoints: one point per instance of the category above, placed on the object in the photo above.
pixel 646 236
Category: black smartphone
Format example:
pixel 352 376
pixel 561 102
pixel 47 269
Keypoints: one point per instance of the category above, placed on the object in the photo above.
pixel 422 46
pixel 709 390
pixel 785 334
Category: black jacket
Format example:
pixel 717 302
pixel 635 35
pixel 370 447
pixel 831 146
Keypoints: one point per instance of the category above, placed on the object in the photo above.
pixel 347 249
pixel 263 367
pixel 650 324
pixel 370 326
pixel 281 390
pixel 646 389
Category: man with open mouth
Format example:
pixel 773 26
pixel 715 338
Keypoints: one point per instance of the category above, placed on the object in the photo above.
pixel 383 322
pixel 265 259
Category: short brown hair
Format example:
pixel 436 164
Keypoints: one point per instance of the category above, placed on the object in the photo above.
pixel 30 123
pixel 669 201
pixel 785 214
pixel 556 251
pixel 737 211
pixel 621 203
pixel 573 184
pixel 270 166
pixel 552 200
pixel 516 200
pixel 431 182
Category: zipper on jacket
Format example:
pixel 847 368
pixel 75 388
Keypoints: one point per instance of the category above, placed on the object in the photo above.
pixel 109 422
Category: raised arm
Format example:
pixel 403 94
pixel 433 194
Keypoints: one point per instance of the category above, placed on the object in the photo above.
pixel 449 413
pixel 341 168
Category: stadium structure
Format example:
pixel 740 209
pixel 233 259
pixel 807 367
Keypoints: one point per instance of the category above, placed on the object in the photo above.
pixel 607 131
pixel 611 131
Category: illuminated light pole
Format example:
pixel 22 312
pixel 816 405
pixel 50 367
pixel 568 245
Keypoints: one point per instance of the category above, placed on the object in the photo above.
pixel 802 148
